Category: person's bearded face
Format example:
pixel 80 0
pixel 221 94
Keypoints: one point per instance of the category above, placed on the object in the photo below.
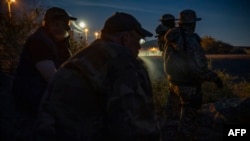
pixel 59 29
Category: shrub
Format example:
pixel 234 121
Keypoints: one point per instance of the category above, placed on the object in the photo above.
pixel 13 33
pixel 160 91
pixel 211 93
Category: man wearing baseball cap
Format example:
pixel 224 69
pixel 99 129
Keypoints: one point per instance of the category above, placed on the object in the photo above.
pixel 44 51
pixel 103 92
pixel 186 68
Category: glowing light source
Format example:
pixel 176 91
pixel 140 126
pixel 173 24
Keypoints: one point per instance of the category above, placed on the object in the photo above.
pixel 86 33
pixel 142 41
pixel 82 24
pixel 153 49
pixel 96 35
pixel 9 6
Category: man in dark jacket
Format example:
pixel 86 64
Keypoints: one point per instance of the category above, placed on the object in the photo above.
pixel 103 92
pixel 186 68
pixel 44 51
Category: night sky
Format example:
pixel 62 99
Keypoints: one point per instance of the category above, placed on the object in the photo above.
pixel 225 20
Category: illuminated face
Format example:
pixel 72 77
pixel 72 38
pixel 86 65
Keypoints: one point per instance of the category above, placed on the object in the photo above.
pixel 59 29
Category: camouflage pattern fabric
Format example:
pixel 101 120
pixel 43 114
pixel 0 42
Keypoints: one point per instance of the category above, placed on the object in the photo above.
pixel 186 67
pixel 102 93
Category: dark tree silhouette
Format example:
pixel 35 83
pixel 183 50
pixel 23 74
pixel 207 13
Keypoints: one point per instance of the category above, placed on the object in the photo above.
pixel 213 46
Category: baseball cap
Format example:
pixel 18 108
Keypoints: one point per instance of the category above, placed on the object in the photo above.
pixel 167 17
pixel 55 13
pixel 120 22
pixel 188 16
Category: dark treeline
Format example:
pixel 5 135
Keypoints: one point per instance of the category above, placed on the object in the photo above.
pixel 210 45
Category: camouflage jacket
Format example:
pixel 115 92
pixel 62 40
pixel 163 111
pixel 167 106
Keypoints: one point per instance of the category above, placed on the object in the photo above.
pixel 185 62
pixel 101 93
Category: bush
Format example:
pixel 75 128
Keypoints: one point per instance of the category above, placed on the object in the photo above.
pixel 160 91
pixel 213 46
pixel 211 93
pixel 13 33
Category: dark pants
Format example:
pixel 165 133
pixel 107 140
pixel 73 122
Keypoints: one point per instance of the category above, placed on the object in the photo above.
pixel 184 102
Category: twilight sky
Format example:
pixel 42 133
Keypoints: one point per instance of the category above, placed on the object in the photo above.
pixel 225 20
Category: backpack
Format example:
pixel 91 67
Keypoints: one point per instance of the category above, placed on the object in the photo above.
pixel 175 63
pixel 178 63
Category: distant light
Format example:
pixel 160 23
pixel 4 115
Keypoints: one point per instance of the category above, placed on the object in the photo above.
pixel 96 35
pixel 82 24
pixel 142 41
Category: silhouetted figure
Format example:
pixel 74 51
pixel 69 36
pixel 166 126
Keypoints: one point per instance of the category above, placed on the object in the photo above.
pixel 167 22
pixel 44 51
pixel 186 67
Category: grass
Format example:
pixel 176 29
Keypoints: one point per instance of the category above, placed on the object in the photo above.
pixel 210 91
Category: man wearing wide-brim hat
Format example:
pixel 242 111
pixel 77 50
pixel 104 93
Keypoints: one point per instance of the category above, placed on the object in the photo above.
pixel 186 67
pixel 188 16
pixel 167 22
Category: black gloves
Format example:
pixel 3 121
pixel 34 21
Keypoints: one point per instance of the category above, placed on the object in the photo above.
pixel 218 82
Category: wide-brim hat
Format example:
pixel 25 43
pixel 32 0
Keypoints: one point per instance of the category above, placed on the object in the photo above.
pixel 57 13
pixel 124 22
pixel 188 16
pixel 167 17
